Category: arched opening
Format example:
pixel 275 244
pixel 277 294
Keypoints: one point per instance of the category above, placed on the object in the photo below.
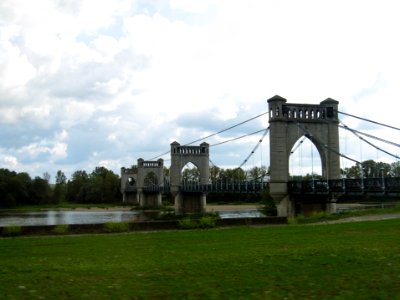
pixel 150 179
pixel 131 181
pixel 190 174
pixel 305 161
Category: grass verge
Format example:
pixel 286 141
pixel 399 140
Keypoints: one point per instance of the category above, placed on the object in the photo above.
pixel 341 261
pixel 323 216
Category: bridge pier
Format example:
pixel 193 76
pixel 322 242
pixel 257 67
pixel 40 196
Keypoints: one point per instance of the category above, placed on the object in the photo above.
pixel 190 203
pixel 285 207
pixel 130 198
pixel 149 199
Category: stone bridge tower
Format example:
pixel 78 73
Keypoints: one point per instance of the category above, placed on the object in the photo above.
pixel 150 177
pixel 143 183
pixel 288 123
pixel 180 156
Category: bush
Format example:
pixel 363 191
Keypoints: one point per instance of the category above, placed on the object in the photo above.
pixel 268 207
pixel 187 223
pixel 12 230
pixel 61 229
pixel 202 221
pixel 207 222
pixel 116 226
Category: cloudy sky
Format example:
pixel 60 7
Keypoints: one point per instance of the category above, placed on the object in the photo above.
pixel 86 83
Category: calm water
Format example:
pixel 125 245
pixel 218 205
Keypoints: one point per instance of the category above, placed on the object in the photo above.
pixel 92 217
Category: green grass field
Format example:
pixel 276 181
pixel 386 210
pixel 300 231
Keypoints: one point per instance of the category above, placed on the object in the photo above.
pixel 342 261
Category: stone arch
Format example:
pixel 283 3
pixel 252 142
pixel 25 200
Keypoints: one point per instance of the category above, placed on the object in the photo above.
pixel 131 181
pixel 292 144
pixel 128 179
pixel 182 155
pixel 196 177
pixel 323 132
pixel 150 179
pixel 146 168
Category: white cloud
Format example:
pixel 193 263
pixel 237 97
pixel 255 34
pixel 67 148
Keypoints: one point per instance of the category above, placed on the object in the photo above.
pixel 120 76
pixel 9 161
pixel 191 6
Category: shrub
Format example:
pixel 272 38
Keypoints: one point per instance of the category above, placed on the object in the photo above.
pixel 187 223
pixel 61 229
pixel 12 230
pixel 268 207
pixel 207 222
pixel 116 226
pixel 199 221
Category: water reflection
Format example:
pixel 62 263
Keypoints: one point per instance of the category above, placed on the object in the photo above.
pixel 92 217
pixel 67 217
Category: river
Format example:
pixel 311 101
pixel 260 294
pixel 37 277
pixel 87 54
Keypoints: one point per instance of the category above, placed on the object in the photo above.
pixel 59 217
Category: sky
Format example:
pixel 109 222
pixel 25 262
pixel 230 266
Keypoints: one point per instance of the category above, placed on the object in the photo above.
pixel 87 83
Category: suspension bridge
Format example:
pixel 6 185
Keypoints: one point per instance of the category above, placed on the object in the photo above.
pixel 289 125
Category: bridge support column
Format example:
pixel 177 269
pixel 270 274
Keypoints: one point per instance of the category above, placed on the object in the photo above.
pixel 190 203
pixel 284 204
pixel 285 207
pixel 130 198
pixel 149 199
pixel 331 206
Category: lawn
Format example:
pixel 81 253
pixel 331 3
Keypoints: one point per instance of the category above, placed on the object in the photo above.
pixel 341 261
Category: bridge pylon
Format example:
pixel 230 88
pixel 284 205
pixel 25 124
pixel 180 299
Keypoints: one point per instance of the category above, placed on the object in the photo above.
pixel 288 123
pixel 150 179
pixel 142 184
pixel 180 156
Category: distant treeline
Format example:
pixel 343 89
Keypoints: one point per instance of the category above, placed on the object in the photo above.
pixel 103 185
pixel 100 186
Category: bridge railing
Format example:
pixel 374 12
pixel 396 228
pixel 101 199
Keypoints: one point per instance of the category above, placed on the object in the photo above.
pixel 224 187
pixel 156 189
pixel 379 186
pixel 215 187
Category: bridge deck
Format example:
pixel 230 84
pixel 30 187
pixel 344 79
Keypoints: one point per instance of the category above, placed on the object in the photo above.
pixel 389 187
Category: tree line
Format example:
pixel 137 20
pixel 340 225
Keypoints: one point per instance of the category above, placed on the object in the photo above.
pixel 103 185
pixel 99 186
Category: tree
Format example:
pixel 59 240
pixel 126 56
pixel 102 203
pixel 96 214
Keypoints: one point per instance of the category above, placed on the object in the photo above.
pixel 103 186
pixel 237 174
pixel 76 187
pixel 257 173
pixel 369 169
pixel 14 188
pixel 190 173
pixel 46 176
pixel 395 169
pixel 60 188
pixel 215 173
pixel 40 191
pixel 268 205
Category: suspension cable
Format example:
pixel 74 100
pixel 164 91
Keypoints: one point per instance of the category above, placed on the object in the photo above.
pixel 237 138
pixel 371 144
pixel 216 133
pixel 310 136
pixel 389 126
pixel 255 148
pixel 226 129
pixel 368 135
